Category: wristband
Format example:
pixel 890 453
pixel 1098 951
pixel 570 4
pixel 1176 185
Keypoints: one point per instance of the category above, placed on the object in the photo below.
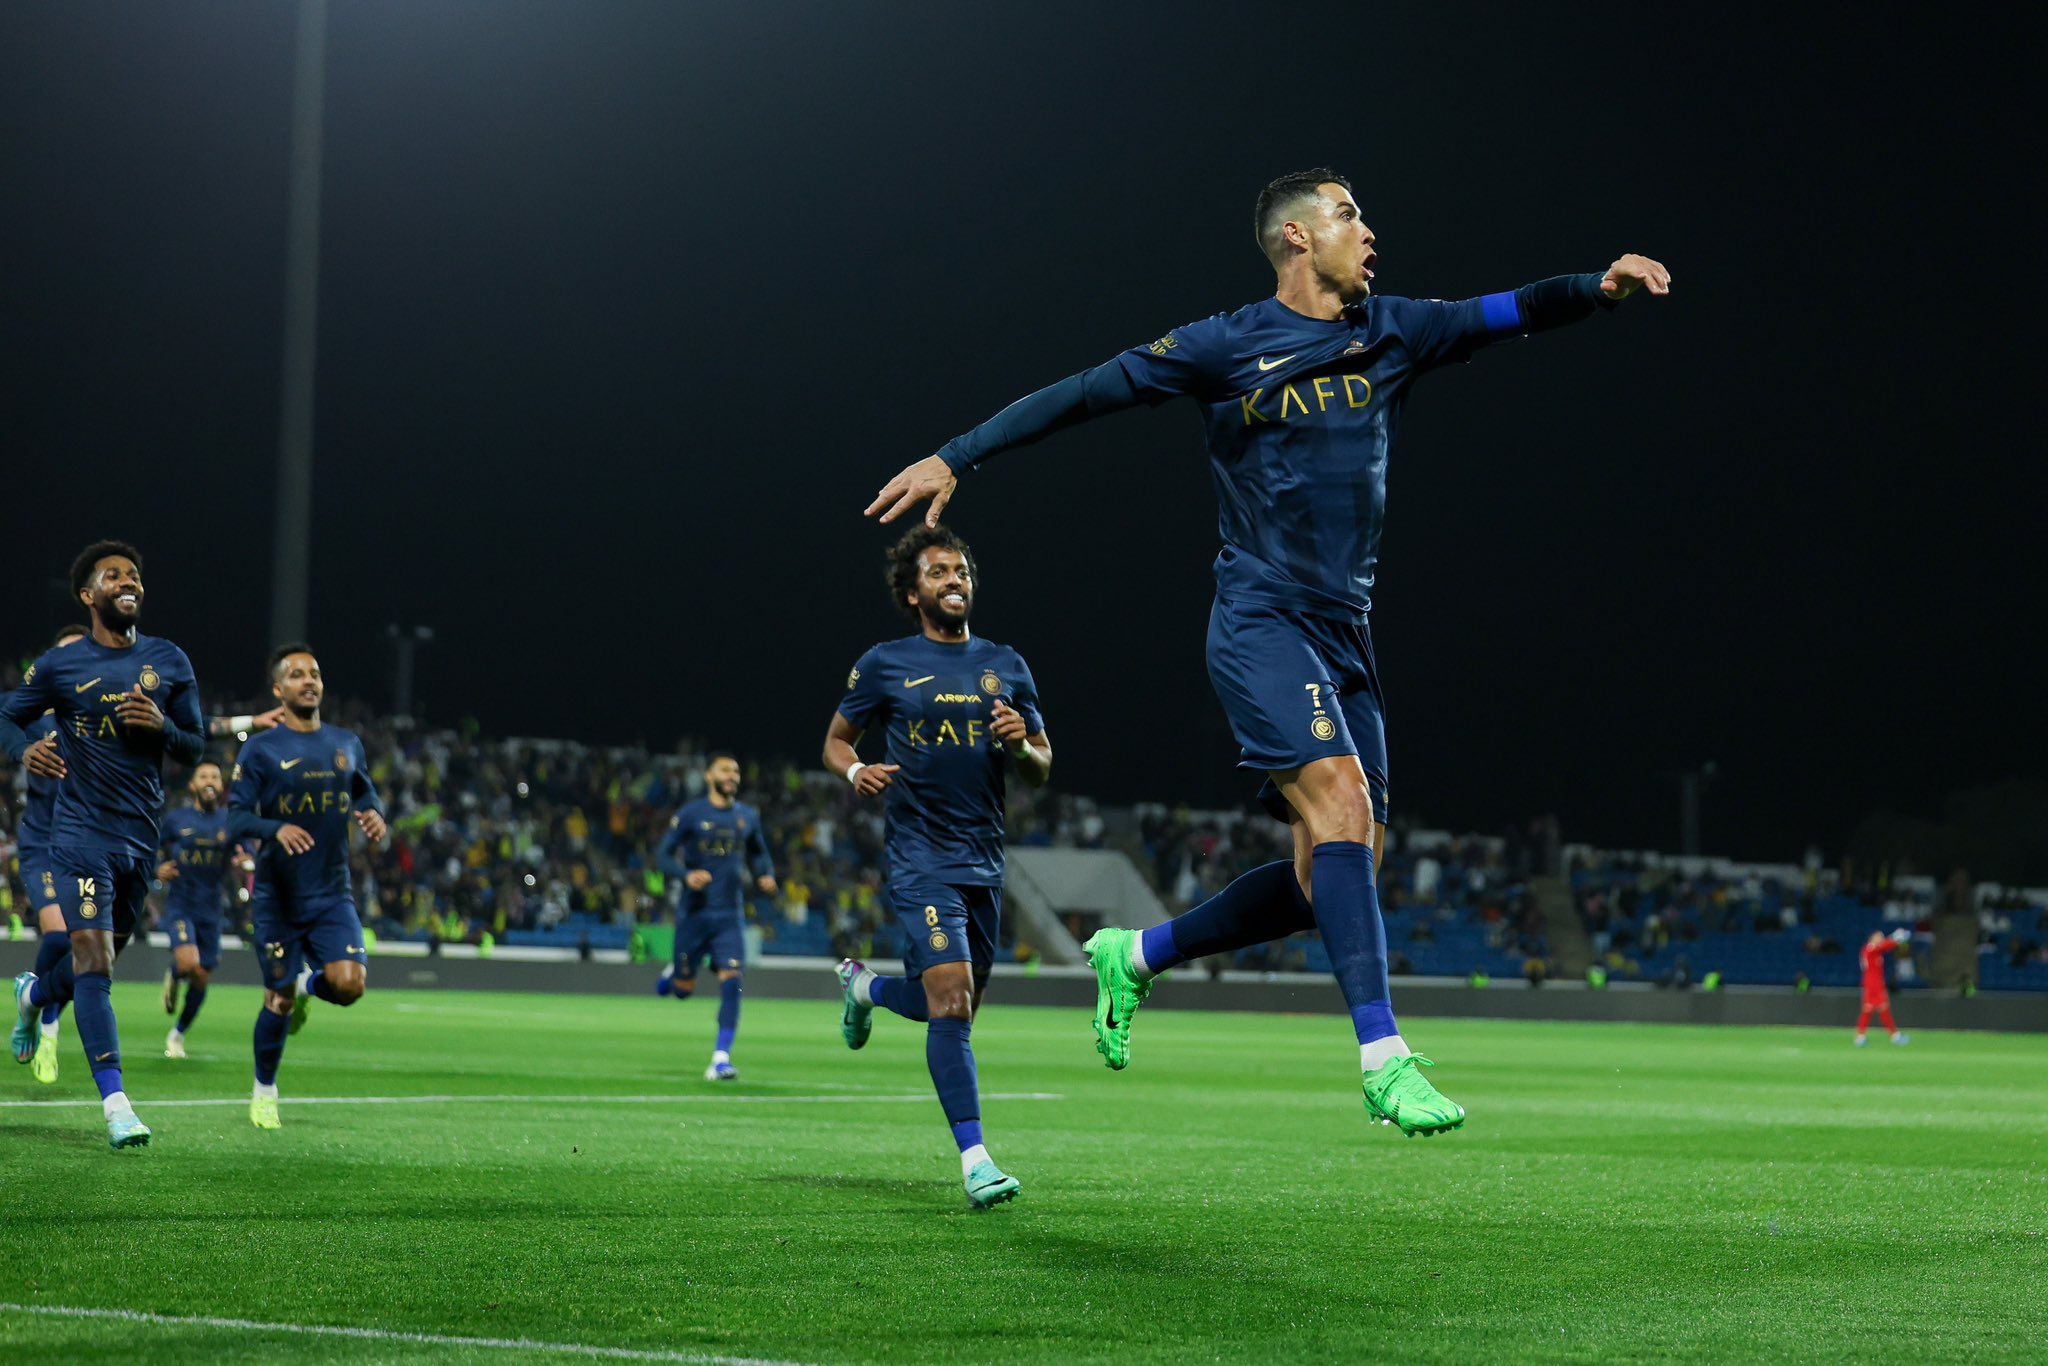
pixel 238 724
pixel 853 774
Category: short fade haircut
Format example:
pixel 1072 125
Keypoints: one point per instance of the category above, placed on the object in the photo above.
pixel 284 652
pixel 901 558
pixel 717 755
pixel 1278 201
pixel 65 633
pixel 89 558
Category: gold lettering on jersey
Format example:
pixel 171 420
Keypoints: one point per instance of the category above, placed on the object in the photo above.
pixel 969 732
pixel 1357 394
pixel 968 697
pixel 1164 344
pixel 312 803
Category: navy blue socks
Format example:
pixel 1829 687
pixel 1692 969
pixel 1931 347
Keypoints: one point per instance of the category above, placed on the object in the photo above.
pixel 270 1031
pixel 1347 911
pixel 1263 905
pixel 93 1009
pixel 54 946
pixel 949 1054
pixel 728 1013
pixel 903 995
pixel 195 997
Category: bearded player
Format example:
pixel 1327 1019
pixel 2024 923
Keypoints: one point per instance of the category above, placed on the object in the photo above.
pixel 958 713
pixel 1301 396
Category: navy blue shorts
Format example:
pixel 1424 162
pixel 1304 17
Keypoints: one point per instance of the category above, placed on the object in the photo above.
pixel 947 922
pixel 312 938
pixel 716 935
pixel 195 929
pixel 1297 688
pixel 100 891
pixel 38 878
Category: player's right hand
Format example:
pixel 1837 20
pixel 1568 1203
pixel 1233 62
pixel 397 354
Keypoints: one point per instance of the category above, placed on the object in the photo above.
pixel 929 478
pixel 294 839
pixel 267 720
pixel 42 758
pixel 166 870
pixel 697 879
pixel 873 778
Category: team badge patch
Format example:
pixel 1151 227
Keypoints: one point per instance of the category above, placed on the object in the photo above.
pixel 149 678
pixel 990 684
pixel 1323 728
pixel 87 910
pixel 341 761
pixel 938 939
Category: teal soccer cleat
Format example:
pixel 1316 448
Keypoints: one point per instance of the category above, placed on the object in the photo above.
pixel 855 1019
pixel 124 1130
pixel 988 1187
pixel 27 1020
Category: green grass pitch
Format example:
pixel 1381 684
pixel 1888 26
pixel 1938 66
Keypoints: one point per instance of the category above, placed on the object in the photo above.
pixel 1620 1191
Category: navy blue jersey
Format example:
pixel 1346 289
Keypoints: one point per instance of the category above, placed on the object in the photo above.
pixel 726 842
pixel 1300 415
pixel 38 810
pixel 311 779
pixel 198 843
pixel 114 788
pixel 932 700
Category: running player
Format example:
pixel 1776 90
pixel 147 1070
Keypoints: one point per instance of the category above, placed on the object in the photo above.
pixel 713 844
pixel 960 713
pixel 1877 997
pixel 296 789
pixel 40 761
pixel 1301 396
pixel 197 855
pixel 123 701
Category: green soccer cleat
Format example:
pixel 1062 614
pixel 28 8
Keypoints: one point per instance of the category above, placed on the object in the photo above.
pixel 44 1068
pixel 855 1019
pixel 988 1187
pixel 301 1003
pixel 28 1021
pixel 124 1130
pixel 263 1112
pixel 1398 1093
pixel 1118 993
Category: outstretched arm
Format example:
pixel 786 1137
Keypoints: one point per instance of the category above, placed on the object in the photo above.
pixel 1105 389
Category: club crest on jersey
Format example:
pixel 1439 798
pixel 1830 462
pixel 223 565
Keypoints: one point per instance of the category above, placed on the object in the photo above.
pixel 87 910
pixel 1355 348
pixel 938 940
pixel 990 684
pixel 341 761
pixel 1323 728
pixel 149 678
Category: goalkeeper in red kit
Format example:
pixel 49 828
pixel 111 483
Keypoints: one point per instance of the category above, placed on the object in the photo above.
pixel 1877 996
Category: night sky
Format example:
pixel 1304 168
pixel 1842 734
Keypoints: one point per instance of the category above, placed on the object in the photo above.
pixel 627 309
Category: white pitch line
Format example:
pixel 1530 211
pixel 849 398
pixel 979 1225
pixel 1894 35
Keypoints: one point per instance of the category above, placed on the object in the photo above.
pixel 530 1100
pixel 580 1349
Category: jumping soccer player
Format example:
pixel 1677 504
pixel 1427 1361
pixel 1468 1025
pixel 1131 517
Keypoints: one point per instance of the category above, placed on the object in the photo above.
pixel 197 855
pixel 1301 396
pixel 44 767
pixel 1877 997
pixel 713 843
pixel 123 700
pixel 295 788
pixel 960 713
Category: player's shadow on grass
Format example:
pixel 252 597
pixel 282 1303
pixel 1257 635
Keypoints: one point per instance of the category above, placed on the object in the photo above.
pixel 65 1132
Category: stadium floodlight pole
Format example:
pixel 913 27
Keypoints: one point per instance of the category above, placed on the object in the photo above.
pixel 291 553
pixel 405 643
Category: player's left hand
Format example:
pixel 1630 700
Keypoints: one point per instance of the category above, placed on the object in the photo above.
pixel 1633 272
pixel 1007 724
pixel 373 826
pixel 42 758
pixel 928 478
pixel 767 886
pixel 138 712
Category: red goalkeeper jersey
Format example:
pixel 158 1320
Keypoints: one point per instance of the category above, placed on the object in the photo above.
pixel 1873 970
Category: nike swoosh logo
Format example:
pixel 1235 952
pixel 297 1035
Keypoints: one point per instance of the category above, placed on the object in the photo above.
pixel 1265 364
pixel 916 682
pixel 290 762
pixel 83 686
